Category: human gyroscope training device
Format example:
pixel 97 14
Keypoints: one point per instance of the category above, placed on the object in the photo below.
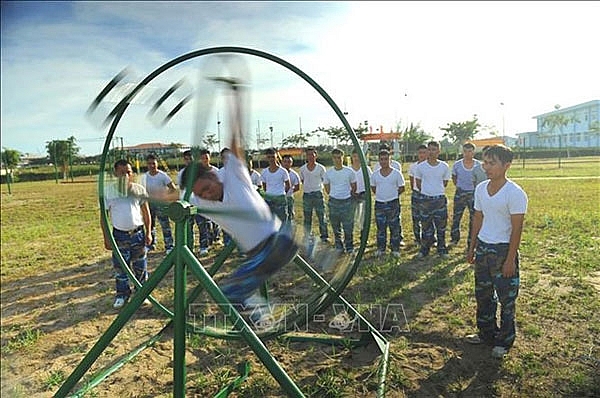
pixel 311 282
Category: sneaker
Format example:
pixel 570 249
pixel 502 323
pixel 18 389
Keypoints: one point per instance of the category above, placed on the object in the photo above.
pixel 396 254
pixel 146 302
pixel 169 250
pixel 419 256
pixel 151 248
pixel 444 256
pixel 119 302
pixel 473 339
pixel 379 253
pixel 203 252
pixel 349 251
pixel 402 243
pixel 499 352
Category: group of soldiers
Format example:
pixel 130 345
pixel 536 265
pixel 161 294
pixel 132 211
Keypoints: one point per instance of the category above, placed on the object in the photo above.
pixel 343 188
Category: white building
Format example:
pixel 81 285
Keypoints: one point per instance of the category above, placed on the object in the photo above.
pixel 576 126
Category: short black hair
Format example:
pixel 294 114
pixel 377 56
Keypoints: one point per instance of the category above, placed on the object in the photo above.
pixel 151 157
pixel 195 171
pixel 422 146
pixel 121 162
pixel 500 152
pixel 187 153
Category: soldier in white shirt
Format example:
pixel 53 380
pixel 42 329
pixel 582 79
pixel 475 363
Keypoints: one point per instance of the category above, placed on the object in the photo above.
pixel 287 161
pixel 358 199
pixel 500 207
pixel 311 176
pixel 340 184
pixel 432 178
pixel 127 206
pixel 387 183
pixel 158 184
pixel 276 182
pixel 415 196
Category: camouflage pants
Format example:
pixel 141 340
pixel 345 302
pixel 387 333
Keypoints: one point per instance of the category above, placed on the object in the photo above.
pixel 314 201
pixel 157 212
pixel 132 248
pixel 278 206
pixel 341 216
pixel 434 218
pixel 290 208
pixel 416 202
pixel 462 200
pixel 492 287
pixel 387 215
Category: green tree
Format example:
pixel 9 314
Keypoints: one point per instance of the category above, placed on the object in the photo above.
pixel 413 136
pixel 10 158
pixel 296 140
pixel 62 152
pixel 210 141
pixel 558 121
pixel 340 134
pixel 461 132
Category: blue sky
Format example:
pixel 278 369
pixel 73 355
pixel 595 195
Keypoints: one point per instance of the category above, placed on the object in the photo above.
pixel 386 62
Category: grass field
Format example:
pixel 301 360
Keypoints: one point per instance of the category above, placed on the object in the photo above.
pixel 57 290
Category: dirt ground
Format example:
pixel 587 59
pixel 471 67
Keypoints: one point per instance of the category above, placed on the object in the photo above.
pixel 69 309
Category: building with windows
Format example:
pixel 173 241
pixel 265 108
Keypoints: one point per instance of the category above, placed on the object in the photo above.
pixel 576 126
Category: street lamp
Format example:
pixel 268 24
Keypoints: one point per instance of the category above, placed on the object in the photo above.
pixel 218 132
pixel 503 131
pixel 271 129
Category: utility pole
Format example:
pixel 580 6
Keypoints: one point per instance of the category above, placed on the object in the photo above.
pixel 219 132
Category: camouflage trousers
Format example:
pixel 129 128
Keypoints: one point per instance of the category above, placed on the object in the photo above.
pixel 278 206
pixel 133 249
pixel 462 200
pixel 314 201
pixel 387 215
pixel 434 218
pixel 341 216
pixel 160 213
pixel 492 287
pixel 416 202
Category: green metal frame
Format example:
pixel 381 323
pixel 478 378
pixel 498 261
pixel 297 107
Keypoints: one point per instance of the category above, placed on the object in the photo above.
pixel 182 259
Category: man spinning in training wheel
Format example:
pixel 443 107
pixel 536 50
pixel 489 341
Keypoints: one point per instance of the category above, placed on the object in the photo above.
pixel 232 201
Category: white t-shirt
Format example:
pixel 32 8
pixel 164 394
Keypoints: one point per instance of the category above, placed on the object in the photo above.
pixel 411 173
pixel 125 210
pixel 156 184
pixel 497 209
pixel 312 181
pixel 243 213
pixel 339 182
pixel 433 177
pixel 360 179
pixel 386 188
pixel 275 180
pixel 393 163
pixel 294 180
pixel 255 178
